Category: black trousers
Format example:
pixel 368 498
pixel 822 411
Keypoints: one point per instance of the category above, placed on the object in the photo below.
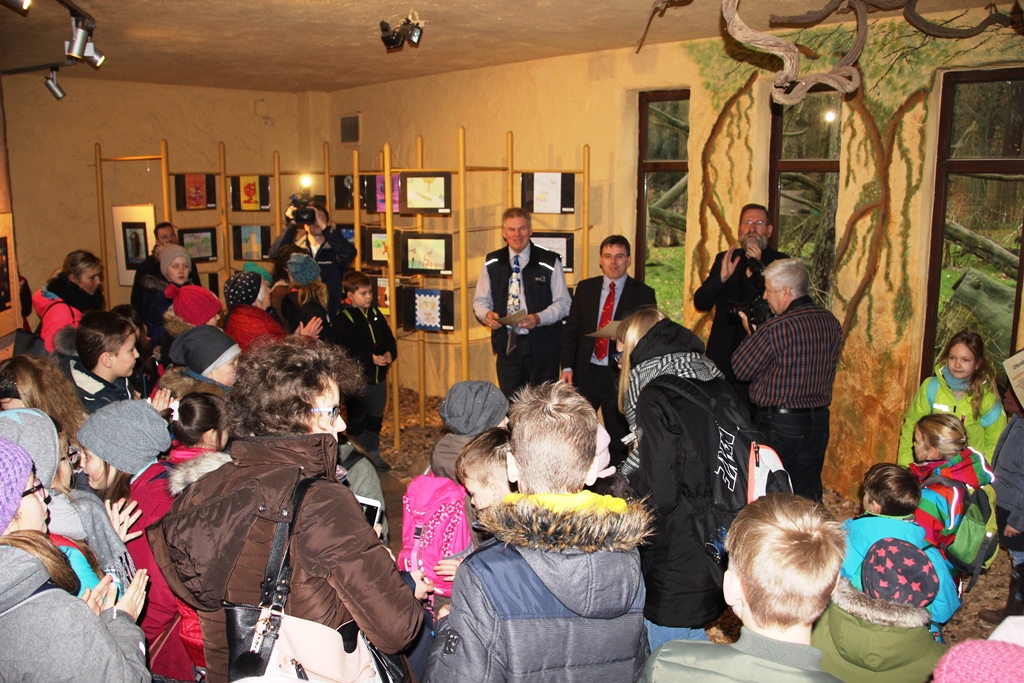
pixel 600 386
pixel 519 368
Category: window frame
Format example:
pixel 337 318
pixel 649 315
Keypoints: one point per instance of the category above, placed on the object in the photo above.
pixel 646 97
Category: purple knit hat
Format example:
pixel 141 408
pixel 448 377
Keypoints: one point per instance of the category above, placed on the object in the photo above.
pixel 15 465
pixel 900 572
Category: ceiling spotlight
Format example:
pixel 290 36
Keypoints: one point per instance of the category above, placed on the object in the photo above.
pixel 413 32
pixel 79 38
pixel 19 6
pixel 51 85
pixel 93 56
pixel 392 38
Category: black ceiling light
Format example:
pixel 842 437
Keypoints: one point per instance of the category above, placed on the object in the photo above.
pixel 411 30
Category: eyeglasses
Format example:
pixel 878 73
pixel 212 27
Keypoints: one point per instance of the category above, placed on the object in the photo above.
pixel 74 457
pixel 617 357
pixel 332 412
pixel 753 224
pixel 35 489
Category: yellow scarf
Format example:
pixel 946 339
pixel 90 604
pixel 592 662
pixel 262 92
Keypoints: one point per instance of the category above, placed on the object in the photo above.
pixel 562 502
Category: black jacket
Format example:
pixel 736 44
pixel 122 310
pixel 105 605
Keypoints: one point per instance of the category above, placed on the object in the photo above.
pixel 577 348
pixel 536 275
pixel 334 257
pixel 681 588
pixel 151 266
pixel 363 335
pixel 726 334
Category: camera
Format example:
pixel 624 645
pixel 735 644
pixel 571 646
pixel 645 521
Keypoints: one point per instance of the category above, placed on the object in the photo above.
pixel 304 214
pixel 756 309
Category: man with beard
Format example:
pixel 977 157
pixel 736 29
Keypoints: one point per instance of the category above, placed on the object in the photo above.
pixel 732 280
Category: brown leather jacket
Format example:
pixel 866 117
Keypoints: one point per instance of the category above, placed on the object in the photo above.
pixel 213 545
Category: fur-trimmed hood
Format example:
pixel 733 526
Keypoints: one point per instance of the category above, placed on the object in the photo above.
pixel 187 473
pixel 877 611
pixel 180 384
pixel 527 523
pixel 154 282
pixel 175 325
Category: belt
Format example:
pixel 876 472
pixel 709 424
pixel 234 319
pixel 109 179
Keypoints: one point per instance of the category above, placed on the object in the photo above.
pixel 792 411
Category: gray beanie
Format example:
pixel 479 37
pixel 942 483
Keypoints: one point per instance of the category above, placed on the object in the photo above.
pixel 303 269
pixel 168 253
pixel 33 430
pixel 127 435
pixel 203 349
pixel 473 407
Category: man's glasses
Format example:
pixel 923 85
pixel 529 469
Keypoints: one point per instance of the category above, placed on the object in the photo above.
pixel 332 412
pixel 35 489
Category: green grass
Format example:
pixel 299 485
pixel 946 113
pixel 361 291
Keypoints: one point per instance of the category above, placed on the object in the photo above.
pixel 664 272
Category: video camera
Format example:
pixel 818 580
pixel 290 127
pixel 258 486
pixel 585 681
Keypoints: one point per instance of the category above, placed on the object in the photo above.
pixel 304 213
pixel 756 309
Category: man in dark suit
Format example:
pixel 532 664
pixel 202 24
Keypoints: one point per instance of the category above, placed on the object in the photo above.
pixel 586 361
pixel 732 280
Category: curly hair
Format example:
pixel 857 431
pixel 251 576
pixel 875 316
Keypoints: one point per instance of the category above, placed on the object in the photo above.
pixel 277 383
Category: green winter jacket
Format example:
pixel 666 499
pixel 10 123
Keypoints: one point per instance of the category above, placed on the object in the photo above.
pixel 982 431
pixel 864 639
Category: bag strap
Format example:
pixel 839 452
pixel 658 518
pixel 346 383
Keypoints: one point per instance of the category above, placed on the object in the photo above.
pixel 39 327
pixel 277 576
pixel 932 391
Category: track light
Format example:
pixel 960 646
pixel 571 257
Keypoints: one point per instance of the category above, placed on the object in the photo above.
pixel 79 38
pixel 51 85
pixel 411 29
pixel 19 6
pixel 413 33
pixel 93 56
pixel 392 38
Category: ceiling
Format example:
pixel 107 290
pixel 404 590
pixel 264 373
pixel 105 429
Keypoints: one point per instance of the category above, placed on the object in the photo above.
pixel 327 45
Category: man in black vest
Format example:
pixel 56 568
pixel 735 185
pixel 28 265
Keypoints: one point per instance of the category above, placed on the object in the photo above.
pixel 586 361
pixel 523 277
pixel 731 280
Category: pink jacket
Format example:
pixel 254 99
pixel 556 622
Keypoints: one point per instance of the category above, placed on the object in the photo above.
pixel 62 315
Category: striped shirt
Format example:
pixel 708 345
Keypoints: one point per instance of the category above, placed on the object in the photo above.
pixel 791 360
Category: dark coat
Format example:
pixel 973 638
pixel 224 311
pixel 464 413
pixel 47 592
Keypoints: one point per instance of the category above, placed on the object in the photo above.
pixel 536 277
pixel 681 588
pixel 577 348
pixel 334 258
pixel 212 546
pixel 151 266
pixel 364 335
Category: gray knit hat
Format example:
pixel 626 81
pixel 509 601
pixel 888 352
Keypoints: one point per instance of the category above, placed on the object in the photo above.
pixel 303 269
pixel 203 349
pixel 168 253
pixel 127 435
pixel 33 430
pixel 473 407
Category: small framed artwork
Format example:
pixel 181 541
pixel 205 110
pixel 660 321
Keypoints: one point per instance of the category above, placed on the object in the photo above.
pixel 132 227
pixel 381 299
pixel 213 283
pixel 347 230
pixel 374 248
pixel 8 278
pixel 343 192
pixel 426 254
pixel 200 243
pixel 430 310
pixel 425 192
pixel 250 193
pixel 562 243
pixel 194 191
pixel 251 242
pixel 375 202
pixel 549 192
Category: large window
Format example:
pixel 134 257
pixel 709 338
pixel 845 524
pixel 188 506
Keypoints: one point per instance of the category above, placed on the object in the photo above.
pixel 804 184
pixel 974 269
pixel 661 195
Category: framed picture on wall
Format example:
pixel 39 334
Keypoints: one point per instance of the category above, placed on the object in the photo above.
pixel 426 253
pixel 425 192
pixel 562 243
pixel 374 247
pixel 343 192
pixel 132 227
pixel 200 243
pixel 549 192
pixel 250 193
pixel 250 242
pixel 380 295
pixel 430 310
pixel 195 191
pixel 376 197
pixel 8 278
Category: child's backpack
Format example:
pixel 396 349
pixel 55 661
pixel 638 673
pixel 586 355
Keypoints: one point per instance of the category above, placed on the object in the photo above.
pixel 741 468
pixel 974 542
pixel 434 526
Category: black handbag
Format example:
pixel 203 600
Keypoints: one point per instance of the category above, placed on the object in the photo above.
pixel 31 343
pixel 251 636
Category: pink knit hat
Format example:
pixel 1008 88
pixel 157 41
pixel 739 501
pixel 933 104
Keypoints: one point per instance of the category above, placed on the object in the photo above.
pixel 193 304
pixel 991 661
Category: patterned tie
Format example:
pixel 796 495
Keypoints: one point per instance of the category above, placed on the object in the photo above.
pixel 601 348
pixel 515 285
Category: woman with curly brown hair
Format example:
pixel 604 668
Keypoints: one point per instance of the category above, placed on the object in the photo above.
pixel 284 412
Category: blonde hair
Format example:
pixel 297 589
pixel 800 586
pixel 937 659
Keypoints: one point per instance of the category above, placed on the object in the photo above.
pixel 943 432
pixel 630 332
pixel 484 458
pixel 786 551
pixel 554 438
pixel 315 291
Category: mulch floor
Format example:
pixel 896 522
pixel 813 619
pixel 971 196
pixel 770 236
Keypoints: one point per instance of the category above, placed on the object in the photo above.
pixel 414 456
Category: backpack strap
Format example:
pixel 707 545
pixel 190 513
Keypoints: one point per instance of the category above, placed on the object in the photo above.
pixel 993 414
pixel 932 390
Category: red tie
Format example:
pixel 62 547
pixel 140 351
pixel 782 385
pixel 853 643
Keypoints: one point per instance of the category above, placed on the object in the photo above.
pixel 601 348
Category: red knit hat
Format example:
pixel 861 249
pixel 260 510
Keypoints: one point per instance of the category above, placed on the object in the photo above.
pixel 193 304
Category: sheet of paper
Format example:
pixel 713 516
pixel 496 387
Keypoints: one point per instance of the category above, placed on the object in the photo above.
pixel 1015 372
pixel 514 318
pixel 606 332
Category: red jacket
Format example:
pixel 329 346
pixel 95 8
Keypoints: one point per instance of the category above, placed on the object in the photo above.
pixel 246 322
pixel 150 491
pixel 62 315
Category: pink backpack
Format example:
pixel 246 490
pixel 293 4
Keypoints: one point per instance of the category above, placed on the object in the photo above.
pixel 434 526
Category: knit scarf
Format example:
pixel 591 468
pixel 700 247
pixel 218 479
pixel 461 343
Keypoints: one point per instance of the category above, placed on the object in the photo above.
pixel 73 295
pixel 82 517
pixel 952 382
pixel 687 364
